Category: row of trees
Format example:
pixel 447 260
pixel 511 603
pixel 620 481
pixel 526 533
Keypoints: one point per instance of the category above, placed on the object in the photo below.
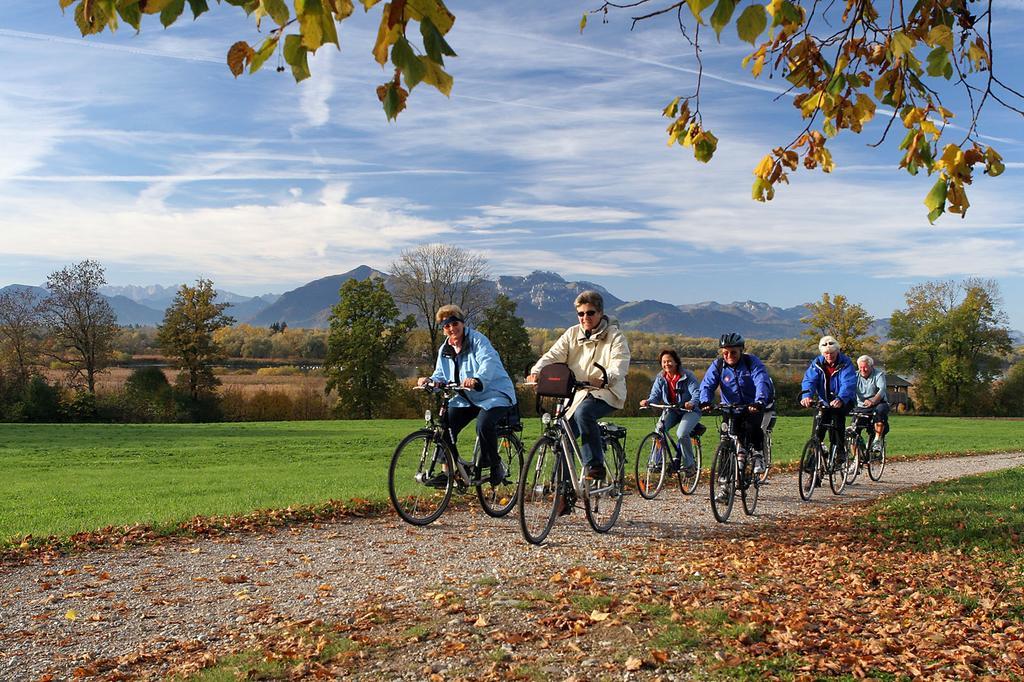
pixel 74 326
pixel 951 339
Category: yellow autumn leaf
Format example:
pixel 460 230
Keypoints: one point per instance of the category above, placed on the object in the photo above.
pixel 671 109
pixel 864 108
pixel 764 169
pixel 437 76
pixel 386 37
pixel 71 614
pixel 432 9
pixel 940 35
pixel 633 663
pixel 481 622
pixel 598 616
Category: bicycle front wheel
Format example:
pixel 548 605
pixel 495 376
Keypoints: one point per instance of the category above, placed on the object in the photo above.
pixel 421 478
pixel 723 481
pixel 837 472
pixel 651 465
pixel 876 460
pixel 604 498
pixel 540 490
pixel 498 500
pixel 688 479
pixel 810 463
pixel 750 487
pixel 854 456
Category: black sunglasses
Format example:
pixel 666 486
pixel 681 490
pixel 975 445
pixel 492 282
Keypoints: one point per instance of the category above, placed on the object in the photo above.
pixel 586 313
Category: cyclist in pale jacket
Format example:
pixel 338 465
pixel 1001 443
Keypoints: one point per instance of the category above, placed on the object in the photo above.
pixel 594 340
pixel 467 357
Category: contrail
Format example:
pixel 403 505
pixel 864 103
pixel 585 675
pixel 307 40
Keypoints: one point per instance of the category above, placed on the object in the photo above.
pixel 81 42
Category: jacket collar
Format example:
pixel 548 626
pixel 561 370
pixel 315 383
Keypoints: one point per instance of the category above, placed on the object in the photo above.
pixel 601 330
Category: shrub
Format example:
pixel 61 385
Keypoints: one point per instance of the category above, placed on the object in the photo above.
pixel 147 381
pixel 40 402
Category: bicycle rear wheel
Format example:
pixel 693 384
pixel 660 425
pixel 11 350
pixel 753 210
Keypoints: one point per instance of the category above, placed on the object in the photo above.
pixel 688 481
pixel 810 463
pixel 767 457
pixel 651 465
pixel 540 490
pixel 421 478
pixel 723 481
pixel 750 487
pixel 837 472
pixel 876 461
pixel 604 498
pixel 498 500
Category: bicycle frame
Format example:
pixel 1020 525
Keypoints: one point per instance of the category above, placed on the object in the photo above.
pixel 442 431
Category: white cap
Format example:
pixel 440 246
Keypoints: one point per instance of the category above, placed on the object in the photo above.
pixel 828 343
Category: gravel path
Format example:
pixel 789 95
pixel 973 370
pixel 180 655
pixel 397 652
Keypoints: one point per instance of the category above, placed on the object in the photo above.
pixel 201 594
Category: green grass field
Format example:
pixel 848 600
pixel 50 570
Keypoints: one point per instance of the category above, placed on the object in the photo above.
pixel 61 479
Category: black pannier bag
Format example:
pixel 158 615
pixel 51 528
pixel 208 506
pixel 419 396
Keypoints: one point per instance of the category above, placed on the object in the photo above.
pixel 556 381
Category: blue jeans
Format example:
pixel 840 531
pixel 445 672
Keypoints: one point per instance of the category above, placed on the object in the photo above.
pixel 584 426
pixel 687 421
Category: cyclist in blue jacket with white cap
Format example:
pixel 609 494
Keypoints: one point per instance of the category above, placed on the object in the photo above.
pixel 831 379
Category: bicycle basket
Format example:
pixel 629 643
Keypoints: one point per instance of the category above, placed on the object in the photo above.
pixel 556 381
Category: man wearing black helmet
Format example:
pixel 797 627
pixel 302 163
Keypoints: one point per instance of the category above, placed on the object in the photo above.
pixel 743 380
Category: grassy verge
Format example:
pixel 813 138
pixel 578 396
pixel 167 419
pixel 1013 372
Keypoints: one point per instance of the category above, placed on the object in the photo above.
pixel 68 478
pixel 983 512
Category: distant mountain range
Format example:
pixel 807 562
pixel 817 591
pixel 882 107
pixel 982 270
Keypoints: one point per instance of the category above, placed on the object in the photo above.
pixel 543 299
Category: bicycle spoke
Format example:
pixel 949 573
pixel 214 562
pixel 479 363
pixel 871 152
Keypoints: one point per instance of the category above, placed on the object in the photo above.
pixel 419 483
pixel 604 498
pixel 723 481
pixel 539 493
pixel 651 465
pixel 498 500
pixel 810 462
pixel 688 479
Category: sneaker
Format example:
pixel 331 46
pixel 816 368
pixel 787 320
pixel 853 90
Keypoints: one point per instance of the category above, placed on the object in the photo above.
pixel 722 495
pixel 673 466
pixel 565 505
pixel 596 472
pixel 876 447
pixel 690 471
pixel 498 475
pixel 758 463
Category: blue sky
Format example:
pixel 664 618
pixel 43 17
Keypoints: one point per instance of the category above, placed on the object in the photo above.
pixel 141 151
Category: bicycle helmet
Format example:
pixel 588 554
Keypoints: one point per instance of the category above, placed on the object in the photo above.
pixel 731 339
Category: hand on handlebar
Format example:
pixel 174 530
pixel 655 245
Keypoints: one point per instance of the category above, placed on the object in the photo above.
pixel 806 401
pixel 706 407
pixel 755 408
pixel 837 403
pixel 643 403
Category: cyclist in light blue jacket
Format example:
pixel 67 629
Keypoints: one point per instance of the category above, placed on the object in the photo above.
pixel 468 358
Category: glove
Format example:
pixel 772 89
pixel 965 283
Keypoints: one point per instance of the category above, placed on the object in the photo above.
pixel 705 407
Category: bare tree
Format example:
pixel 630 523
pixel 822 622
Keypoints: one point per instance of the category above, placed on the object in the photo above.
pixel 80 320
pixel 19 332
pixel 432 275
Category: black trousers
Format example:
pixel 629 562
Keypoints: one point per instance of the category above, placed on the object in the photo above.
pixel 486 428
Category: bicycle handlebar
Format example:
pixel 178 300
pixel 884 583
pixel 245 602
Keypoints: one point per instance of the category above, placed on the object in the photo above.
pixel 659 406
